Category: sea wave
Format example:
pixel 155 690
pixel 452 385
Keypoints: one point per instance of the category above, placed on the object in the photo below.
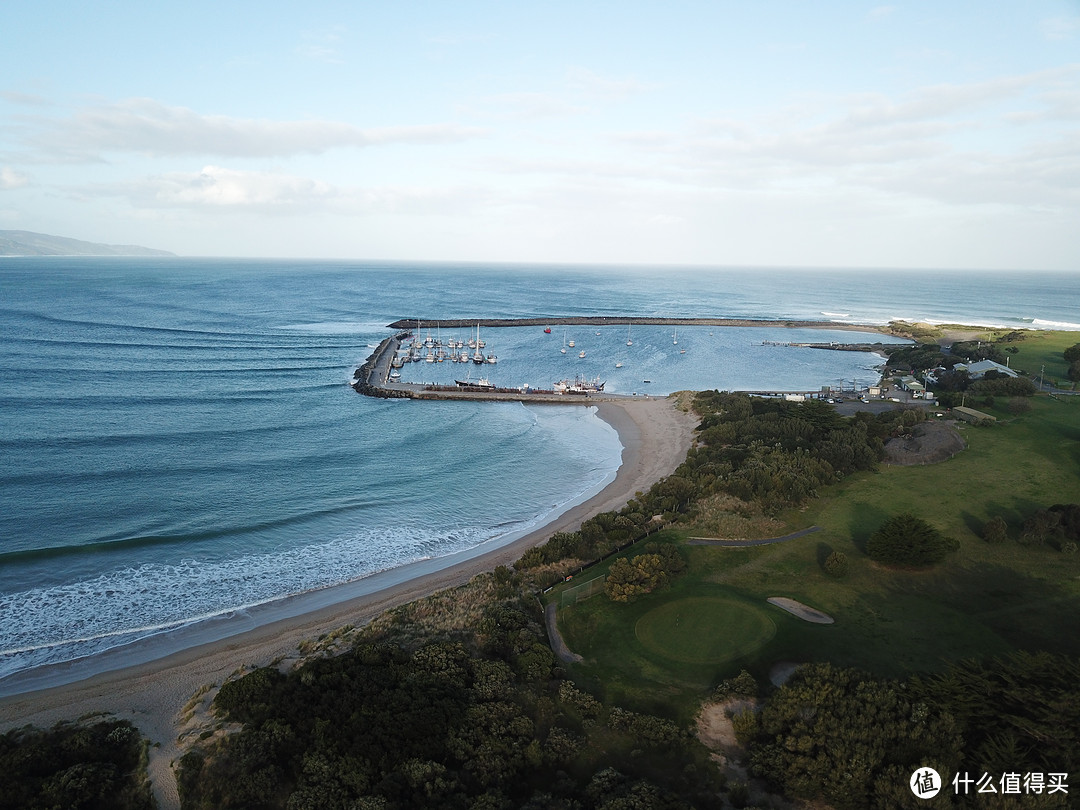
pixel 60 623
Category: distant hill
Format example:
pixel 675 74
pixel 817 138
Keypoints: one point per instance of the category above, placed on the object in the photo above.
pixel 27 243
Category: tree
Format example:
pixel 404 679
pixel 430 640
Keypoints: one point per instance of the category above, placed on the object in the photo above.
pixel 909 541
pixel 1072 354
pixel 836 564
pixel 1074 371
pixel 995 530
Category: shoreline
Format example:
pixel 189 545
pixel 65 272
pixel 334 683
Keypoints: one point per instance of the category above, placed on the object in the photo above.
pixel 149 689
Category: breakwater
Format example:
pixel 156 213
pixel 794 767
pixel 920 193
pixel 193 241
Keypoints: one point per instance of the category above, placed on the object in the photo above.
pixel 625 320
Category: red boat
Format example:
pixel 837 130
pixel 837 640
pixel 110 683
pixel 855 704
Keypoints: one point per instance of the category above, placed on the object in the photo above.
pixel 547 330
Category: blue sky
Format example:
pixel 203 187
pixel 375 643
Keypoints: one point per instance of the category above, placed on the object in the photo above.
pixel 921 134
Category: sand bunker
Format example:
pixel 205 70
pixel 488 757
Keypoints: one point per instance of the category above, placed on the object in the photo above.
pixel 804 612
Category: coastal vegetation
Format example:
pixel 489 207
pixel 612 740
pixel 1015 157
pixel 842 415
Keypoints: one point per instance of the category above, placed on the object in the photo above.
pixel 473 715
pixel 82 766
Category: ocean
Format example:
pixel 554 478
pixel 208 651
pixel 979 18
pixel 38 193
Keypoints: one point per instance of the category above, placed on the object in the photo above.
pixel 181 443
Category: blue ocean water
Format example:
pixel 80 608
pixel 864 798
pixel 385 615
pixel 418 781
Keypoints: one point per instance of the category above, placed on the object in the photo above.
pixel 180 440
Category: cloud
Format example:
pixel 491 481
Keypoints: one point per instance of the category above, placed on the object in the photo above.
pixel 25 99
pixel 524 105
pixel 322 46
pixel 1060 28
pixel 9 178
pixel 218 189
pixel 579 92
pixel 221 188
pixel 148 127
pixel 591 84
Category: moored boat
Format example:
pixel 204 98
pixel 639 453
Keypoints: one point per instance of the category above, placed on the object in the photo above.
pixel 579 385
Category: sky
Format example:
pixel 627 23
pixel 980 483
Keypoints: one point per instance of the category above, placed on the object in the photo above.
pixel 793 133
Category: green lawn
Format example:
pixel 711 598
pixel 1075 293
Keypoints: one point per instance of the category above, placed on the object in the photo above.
pixel 1044 350
pixel 704 629
pixel 985 600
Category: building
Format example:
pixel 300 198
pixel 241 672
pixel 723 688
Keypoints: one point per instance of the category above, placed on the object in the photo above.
pixel 973 416
pixel 977 371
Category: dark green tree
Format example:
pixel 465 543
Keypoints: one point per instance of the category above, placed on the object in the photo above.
pixel 995 530
pixel 909 541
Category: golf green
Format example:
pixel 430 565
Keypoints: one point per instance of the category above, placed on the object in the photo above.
pixel 704 630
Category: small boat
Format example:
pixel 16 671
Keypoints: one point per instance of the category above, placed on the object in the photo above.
pixel 492 359
pixel 598 334
pixel 547 330
pixel 629 342
pixel 646 381
pixel 570 344
pixel 483 382
pixel 581 353
pixel 675 337
pixel 579 385
pixel 682 351
pixel 618 365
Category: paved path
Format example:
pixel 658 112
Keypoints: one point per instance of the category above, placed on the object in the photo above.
pixel 558 646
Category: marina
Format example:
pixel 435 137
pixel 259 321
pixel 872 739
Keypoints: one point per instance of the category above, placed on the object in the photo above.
pixel 544 366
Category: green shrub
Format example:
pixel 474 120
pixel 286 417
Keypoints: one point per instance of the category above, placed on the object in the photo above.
pixel 909 541
pixel 836 564
pixel 995 530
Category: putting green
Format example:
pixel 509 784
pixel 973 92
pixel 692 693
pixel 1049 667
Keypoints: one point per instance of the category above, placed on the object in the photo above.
pixel 704 629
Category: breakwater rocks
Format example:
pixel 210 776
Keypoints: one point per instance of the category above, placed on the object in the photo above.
pixel 622 320
pixel 370 378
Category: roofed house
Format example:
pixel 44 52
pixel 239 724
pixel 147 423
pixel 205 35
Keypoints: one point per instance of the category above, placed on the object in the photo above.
pixel 977 371
pixel 973 416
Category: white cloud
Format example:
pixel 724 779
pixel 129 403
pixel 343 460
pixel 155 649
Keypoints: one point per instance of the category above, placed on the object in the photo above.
pixel 149 127
pixel 9 178
pixel 1060 28
pixel 217 187
pixel 586 82
pixel 26 99
pixel 525 105
pixel 579 91
pixel 322 46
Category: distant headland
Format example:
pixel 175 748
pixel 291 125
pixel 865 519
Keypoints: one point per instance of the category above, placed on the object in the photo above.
pixel 28 243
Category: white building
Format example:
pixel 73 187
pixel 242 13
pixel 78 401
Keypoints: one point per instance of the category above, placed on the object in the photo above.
pixel 978 370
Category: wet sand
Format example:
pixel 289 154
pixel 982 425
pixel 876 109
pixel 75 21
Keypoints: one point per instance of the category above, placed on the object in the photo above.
pixel 149 688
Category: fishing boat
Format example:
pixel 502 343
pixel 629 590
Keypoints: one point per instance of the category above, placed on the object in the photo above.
pixel 483 382
pixel 579 385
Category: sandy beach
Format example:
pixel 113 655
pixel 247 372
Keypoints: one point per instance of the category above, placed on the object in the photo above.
pixel 150 691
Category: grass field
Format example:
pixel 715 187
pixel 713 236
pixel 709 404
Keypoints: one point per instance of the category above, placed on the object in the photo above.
pixel 704 630
pixel 984 600
pixel 1043 350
